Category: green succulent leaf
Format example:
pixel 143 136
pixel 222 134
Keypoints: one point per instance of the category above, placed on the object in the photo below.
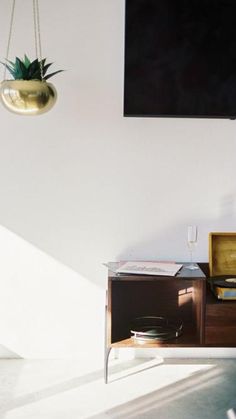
pixel 46 67
pixel 8 65
pixel 11 62
pixel 11 70
pixel 26 61
pixel 52 74
pixel 22 69
pixel 36 75
pixel 26 70
pixel 17 63
pixel 34 66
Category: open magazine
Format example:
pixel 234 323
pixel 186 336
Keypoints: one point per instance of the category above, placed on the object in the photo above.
pixel 147 268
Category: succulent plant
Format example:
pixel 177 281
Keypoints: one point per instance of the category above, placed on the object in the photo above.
pixel 29 70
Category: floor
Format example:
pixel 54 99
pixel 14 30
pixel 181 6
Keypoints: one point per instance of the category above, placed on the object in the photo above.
pixel 138 389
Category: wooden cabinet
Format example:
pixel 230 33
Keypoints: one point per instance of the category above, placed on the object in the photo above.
pixel 187 296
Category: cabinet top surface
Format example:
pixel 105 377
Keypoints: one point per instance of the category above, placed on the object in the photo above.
pixel 184 272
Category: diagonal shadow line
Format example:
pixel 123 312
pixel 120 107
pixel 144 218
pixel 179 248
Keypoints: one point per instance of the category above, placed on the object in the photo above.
pixel 65 386
pixel 161 397
pixel 135 372
pixel 7 353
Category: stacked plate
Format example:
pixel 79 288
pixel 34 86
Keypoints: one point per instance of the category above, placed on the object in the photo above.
pixel 153 328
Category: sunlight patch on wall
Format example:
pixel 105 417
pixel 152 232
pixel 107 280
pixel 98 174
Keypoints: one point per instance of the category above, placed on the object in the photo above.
pixel 46 309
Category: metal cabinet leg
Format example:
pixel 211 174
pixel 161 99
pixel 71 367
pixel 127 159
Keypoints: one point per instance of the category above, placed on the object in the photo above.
pixel 107 348
pixel 106 364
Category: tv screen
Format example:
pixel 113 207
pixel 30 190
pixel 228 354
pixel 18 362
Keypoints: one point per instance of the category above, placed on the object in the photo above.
pixel 180 58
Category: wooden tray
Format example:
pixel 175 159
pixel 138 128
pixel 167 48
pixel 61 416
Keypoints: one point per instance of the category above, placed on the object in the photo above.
pixel 222 254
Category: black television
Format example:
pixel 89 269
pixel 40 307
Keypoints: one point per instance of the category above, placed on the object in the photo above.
pixel 180 58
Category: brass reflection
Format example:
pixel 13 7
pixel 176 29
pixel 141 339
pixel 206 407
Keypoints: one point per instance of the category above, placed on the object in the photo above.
pixel 28 97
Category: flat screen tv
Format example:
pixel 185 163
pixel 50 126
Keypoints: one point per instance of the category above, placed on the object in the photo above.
pixel 180 58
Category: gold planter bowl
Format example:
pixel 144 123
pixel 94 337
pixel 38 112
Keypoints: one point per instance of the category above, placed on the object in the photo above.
pixel 28 97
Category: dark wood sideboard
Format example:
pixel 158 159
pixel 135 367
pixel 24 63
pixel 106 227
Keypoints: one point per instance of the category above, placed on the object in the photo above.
pixel 206 320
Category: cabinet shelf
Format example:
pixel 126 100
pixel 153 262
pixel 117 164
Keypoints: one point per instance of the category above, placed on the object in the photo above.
pixel 188 339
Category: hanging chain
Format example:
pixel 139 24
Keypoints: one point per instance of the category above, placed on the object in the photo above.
pixel 37 36
pixel 35 30
pixel 9 38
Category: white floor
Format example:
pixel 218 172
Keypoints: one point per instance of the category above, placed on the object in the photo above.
pixel 138 389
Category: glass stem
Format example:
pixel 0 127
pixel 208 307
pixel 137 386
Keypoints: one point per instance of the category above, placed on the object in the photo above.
pixel 191 257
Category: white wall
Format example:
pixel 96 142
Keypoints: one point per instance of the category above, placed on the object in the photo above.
pixel 82 185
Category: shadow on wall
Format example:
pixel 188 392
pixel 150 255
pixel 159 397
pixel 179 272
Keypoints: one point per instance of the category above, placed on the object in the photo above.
pixel 49 310
pixel 6 353
pixel 168 243
pixel 46 309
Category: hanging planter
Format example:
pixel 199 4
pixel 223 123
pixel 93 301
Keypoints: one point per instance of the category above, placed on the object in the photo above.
pixel 28 93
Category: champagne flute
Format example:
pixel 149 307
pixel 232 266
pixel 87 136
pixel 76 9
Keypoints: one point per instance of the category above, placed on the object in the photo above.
pixel 192 242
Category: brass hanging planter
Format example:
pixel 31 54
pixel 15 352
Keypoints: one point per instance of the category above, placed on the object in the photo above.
pixel 28 97
pixel 28 93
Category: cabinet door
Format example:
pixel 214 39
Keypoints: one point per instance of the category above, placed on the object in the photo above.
pixel 221 324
